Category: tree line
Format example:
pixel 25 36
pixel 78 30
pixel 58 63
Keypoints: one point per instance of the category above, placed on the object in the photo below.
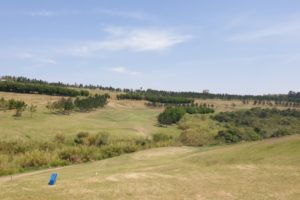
pixel 139 93
pixel 40 88
pixel 22 79
pixel 155 98
pixel 292 97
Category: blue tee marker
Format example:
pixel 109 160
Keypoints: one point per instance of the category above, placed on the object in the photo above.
pixel 52 179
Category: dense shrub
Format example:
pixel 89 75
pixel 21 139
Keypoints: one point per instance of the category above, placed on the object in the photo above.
pixel 171 115
pixel 229 136
pixel 91 102
pixel 256 124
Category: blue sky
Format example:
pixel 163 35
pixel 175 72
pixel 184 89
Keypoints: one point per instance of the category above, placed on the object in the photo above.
pixel 245 47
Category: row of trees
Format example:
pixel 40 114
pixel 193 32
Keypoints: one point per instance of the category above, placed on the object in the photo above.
pixel 173 115
pixel 141 94
pixel 290 97
pixel 40 88
pixel 156 98
pixel 18 106
pixel 75 85
pixel 272 103
pixel 66 105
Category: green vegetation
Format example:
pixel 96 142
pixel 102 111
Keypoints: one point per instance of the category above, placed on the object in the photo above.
pixel 171 115
pixel 19 156
pixel 232 127
pixel 90 103
pixel 257 123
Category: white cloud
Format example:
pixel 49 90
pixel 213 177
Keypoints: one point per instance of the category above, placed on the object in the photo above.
pixel 119 69
pixel 123 70
pixel 136 40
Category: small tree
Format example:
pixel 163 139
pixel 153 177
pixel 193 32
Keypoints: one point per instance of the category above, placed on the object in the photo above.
pixel 32 109
pixel 68 106
pixel 20 106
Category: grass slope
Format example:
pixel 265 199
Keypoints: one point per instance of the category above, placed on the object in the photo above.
pixel 121 119
pixel 266 169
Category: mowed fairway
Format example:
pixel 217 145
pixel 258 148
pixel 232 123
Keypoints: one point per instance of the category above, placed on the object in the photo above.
pixel 259 170
pixel 121 119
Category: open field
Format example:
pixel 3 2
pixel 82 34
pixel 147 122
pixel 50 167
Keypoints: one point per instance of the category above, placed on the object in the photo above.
pixel 266 169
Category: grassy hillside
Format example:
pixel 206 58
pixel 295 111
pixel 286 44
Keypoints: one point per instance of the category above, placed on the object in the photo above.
pixel 122 119
pixel 266 169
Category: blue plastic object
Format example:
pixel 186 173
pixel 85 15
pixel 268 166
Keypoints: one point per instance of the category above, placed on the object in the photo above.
pixel 52 179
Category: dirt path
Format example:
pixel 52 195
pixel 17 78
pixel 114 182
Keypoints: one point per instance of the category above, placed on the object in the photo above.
pixel 18 176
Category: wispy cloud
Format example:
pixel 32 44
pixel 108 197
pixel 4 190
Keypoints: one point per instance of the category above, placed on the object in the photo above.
pixel 123 70
pixel 135 39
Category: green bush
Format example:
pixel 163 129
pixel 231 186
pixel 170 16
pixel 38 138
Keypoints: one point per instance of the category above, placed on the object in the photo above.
pixel 171 115
pixel 229 136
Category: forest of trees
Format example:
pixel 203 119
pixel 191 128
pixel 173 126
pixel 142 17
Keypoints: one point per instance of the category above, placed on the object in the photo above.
pixel 40 88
